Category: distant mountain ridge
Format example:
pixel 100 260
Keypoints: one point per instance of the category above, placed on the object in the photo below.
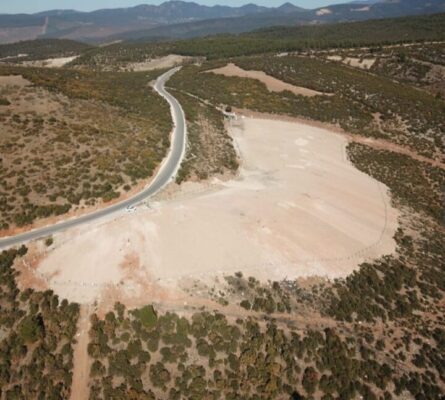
pixel 180 19
pixel 95 25
pixel 349 12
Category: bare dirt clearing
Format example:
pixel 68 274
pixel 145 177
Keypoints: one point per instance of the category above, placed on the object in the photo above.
pixel 298 209
pixel 170 61
pixel 379 144
pixel 273 84
pixel 50 62
pixel 363 63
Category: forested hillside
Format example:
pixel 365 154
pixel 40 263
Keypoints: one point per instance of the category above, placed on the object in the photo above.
pixel 354 34
pixel 280 39
pixel 41 49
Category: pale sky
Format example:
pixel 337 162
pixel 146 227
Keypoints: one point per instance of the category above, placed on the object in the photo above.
pixel 31 6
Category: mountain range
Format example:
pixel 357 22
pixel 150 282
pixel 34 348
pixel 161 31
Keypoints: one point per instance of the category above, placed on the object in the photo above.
pixel 180 19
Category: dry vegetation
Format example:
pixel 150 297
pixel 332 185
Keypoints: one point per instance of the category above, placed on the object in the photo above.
pixel 75 139
pixel 210 150
pixel 272 84
pixel 361 103
pixel 120 55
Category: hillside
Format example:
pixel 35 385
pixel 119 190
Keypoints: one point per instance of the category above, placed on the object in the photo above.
pixel 296 254
pixel 354 34
pixel 41 49
pixel 79 122
pixel 103 23
pixel 278 39
pixel 330 14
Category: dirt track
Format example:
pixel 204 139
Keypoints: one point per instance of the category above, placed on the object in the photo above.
pixel 81 360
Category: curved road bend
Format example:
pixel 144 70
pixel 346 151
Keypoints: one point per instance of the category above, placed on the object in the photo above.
pixel 167 172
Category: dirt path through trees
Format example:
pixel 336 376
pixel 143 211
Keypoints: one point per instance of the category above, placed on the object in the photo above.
pixel 80 389
pixel 382 144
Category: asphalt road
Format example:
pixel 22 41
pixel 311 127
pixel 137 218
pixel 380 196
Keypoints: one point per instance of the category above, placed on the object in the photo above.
pixel 166 173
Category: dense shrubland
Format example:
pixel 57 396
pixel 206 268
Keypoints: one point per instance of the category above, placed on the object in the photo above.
pixel 36 339
pixel 303 38
pixel 208 357
pixel 413 184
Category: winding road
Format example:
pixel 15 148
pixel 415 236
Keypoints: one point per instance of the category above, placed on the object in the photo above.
pixel 166 173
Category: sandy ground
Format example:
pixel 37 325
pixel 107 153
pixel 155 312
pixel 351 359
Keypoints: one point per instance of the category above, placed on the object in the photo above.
pixel 365 63
pixel 13 80
pixel 172 60
pixel 51 62
pixel 297 209
pixel 379 144
pixel 273 84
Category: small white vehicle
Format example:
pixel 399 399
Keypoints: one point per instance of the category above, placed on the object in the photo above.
pixel 130 209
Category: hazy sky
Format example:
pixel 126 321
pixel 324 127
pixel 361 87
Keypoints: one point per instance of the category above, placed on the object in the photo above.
pixel 30 6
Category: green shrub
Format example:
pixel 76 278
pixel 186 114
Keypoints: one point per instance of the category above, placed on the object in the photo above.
pixel 147 315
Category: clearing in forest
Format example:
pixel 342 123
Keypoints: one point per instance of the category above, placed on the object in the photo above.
pixel 273 84
pixel 298 208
